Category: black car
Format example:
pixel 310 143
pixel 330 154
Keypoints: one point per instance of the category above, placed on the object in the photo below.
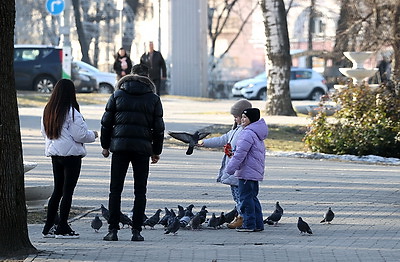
pixel 37 67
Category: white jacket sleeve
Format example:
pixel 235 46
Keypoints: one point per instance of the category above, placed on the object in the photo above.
pixel 79 130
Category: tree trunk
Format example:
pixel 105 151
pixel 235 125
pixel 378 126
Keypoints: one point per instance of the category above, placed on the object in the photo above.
pixel 14 238
pixel 396 44
pixel 81 32
pixel 278 59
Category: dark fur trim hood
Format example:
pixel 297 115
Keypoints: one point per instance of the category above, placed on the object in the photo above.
pixel 138 78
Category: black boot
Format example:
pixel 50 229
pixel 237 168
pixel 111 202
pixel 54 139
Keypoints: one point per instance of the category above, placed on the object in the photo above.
pixel 136 236
pixel 112 235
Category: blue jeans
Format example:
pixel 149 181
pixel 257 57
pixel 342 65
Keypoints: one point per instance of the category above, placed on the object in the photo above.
pixel 250 205
pixel 236 197
pixel 119 166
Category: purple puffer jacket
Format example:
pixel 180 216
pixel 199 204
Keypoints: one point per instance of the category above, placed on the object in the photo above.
pixel 249 158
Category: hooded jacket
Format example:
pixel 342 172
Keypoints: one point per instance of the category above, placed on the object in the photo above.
pixel 133 118
pixel 249 158
pixel 74 134
pixel 230 137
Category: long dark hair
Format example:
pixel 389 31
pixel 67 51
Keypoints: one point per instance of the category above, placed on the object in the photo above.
pixel 61 100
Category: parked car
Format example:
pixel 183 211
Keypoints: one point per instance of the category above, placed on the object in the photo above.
pixel 304 83
pixel 37 67
pixel 105 81
pixel 84 82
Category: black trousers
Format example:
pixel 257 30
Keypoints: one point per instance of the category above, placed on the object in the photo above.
pixel 119 166
pixel 66 170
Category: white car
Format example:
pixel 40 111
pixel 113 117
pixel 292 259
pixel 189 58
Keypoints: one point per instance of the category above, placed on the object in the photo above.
pixel 304 83
pixel 106 81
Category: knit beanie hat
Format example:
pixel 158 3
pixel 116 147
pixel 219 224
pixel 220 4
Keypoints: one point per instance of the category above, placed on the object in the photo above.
pixel 239 106
pixel 253 114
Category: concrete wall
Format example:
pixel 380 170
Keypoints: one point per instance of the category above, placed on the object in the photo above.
pixel 188 48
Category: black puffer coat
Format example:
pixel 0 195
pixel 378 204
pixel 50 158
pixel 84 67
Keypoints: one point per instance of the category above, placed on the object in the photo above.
pixel 133 121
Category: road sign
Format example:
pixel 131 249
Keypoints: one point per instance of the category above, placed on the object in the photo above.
pixel 55 7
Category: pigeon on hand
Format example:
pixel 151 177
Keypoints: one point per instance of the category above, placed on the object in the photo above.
pixel 328 216
pixel 230 216
pixel 153 220
pixel 303 226
pixel 191 139
pixel 96 223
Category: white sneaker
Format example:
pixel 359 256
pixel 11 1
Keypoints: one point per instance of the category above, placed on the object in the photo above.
pixel 70 235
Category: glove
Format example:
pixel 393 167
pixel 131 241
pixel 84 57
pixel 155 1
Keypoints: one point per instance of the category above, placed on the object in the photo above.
pixel 228 150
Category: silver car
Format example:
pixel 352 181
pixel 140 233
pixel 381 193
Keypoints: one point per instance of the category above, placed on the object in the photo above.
pixel 304 84
pixel 105 81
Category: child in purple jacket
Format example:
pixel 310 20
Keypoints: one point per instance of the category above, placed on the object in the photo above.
pixel 248 164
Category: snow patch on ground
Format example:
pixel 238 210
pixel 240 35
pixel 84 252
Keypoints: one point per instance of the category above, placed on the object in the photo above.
pixel 369 158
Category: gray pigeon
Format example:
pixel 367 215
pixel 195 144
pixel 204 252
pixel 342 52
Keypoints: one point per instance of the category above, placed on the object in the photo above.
pixel 105 213
pixel 185 220
pixel 173 226
pixel 96 223
pixel 278 207
pixel 153 220
pixel 164 220
pixel 328 216
pixel 220 220
pixel 189 209
pixel 212 222
pixel 199 219
pixel 123 219
pixel 191 139
pixel 303 226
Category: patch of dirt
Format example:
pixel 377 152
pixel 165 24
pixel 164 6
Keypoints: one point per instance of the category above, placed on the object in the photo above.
pixel 39 216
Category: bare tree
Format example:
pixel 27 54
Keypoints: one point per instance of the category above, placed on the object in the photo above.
pixel 278 60
pixel 14 238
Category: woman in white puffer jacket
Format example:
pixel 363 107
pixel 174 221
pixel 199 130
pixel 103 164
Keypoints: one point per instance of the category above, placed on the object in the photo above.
pixel 65 133
pixel 228 141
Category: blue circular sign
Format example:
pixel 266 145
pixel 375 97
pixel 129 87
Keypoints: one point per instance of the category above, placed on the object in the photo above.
pixel 55 7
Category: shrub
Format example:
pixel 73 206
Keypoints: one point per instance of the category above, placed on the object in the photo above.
pixel 367 123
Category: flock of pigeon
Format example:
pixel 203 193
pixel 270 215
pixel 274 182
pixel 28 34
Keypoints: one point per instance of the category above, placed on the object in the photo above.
pixel 186 219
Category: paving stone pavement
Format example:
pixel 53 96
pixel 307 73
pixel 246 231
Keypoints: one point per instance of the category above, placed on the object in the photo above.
pixel 364 197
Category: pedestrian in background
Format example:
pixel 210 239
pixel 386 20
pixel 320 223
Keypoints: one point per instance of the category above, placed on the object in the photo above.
pixel 65 132
pixel 122 64
pixel 132 128
pixel 157 69
pixel 247 164
pixel 228 142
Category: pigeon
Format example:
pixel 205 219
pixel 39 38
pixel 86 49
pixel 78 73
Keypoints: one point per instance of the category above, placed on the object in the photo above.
pixel 153 220
pixel 189 208
pixel 164 220
pixel 123 219
pixel 303 226
pixel 275 216
pixel 212 222
pixel 191 139
pixel 105 213
pixel 184 221
pixel 96 223
pixel 220 220
pixel 181 211
pixel 198 219
pixel 230 216
pixel 328 216
pixel 173 224
pixel 278 207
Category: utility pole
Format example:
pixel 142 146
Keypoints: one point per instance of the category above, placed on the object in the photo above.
pixel 67 52
pixel 311 26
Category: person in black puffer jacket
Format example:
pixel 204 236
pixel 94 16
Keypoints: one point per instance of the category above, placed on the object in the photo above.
pixel 132 128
